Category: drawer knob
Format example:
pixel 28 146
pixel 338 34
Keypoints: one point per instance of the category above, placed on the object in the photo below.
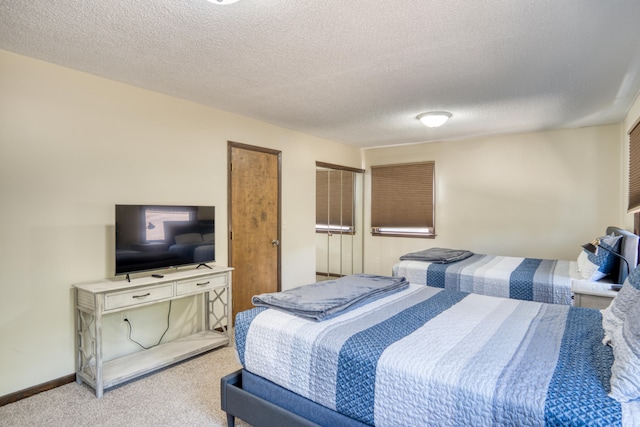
pixel 142 296
pixel 202 284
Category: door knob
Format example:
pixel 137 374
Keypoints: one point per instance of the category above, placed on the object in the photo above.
pixel 275 242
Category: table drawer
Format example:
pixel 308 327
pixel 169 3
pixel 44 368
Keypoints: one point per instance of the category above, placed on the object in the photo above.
pixel 593 301
pixel 185 287
pixel 137 296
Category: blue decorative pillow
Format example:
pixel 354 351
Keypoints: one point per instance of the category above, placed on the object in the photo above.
pixel 594 267
pixel 625 339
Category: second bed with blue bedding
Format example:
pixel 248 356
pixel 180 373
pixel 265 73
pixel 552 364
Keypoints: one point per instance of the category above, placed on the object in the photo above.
pixel 527 279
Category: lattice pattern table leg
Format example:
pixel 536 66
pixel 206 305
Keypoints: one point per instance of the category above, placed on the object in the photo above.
pixel 219 311
pixel 87 344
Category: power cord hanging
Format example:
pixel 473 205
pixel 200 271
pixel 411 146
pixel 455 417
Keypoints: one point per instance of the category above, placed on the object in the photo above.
pixel 161 337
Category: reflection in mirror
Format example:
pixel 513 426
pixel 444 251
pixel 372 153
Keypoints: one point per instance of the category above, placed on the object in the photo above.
pixel 153 237
pixel 339 214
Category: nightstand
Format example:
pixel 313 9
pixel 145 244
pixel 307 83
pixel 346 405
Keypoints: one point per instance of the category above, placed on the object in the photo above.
pixel 592 294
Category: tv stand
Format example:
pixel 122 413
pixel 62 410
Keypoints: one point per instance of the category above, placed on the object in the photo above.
pixel 202 264
pixel 95 300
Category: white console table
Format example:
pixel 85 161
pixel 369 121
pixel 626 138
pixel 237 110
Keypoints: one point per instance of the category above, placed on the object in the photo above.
pixel 94 300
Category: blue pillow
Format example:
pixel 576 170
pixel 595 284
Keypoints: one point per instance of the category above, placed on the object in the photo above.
pixel 593 267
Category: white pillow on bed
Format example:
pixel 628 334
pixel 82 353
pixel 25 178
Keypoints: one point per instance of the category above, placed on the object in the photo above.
pixel 629 296
pixel 188 238
pixel 209 237
pixel 594 267
pixel 621 322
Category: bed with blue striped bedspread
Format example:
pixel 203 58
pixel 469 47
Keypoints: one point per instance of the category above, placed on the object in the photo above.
pixel 426 356
pixel 528 279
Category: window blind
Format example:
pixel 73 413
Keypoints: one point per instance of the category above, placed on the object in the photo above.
pixel 402 199
pixel 634 169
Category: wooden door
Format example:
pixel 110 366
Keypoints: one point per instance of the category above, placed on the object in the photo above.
pixel 254 222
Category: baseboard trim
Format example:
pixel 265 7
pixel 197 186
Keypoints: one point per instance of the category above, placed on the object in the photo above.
pixel 31 391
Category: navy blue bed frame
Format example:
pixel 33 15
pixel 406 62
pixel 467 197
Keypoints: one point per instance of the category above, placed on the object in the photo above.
pixel 262 403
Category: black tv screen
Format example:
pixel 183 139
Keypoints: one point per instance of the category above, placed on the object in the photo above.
pixel 153 237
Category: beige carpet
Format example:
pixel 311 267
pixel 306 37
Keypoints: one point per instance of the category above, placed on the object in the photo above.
pixel 187 394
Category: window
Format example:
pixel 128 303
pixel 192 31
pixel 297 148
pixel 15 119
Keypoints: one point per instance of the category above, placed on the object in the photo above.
pixel 634 169
pixel 403 200
pixel 335 201
pixel 155 217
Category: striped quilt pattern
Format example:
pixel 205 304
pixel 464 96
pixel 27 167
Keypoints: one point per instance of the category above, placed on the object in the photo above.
pixel 426 356
pixel 528 279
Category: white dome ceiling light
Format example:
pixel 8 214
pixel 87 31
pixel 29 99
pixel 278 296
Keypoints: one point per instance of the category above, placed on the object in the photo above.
pixel 223 1
pixel 434 119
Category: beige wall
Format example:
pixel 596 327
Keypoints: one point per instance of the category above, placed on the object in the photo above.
pixel 71 146
pixel 633 116
pixel 535 195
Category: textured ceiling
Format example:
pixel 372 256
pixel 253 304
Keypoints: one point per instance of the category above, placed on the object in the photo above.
pixel 355 71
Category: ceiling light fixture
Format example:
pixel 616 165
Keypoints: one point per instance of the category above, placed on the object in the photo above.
pixel 434 119
pixel 223 1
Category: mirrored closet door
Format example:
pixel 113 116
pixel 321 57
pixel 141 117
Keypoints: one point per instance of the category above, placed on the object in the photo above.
pixel 339 221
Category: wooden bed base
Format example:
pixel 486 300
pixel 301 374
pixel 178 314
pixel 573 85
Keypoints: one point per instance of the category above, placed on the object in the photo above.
pixel 258 412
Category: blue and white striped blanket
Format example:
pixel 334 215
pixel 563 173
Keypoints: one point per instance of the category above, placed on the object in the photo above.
pixel 528 279
pixel 426 356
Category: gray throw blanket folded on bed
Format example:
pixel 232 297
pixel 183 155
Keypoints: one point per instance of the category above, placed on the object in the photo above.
pixel 438 255
pixel 321 300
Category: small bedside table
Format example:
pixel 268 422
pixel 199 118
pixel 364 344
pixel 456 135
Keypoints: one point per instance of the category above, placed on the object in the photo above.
pixel 592 294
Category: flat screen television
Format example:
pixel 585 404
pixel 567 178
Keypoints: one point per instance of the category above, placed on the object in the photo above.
pixel 155 237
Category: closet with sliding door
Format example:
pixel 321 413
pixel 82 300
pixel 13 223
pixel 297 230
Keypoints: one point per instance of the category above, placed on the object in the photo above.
pixel 339 221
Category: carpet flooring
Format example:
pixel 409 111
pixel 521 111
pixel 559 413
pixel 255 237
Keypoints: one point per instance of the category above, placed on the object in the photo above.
pixel 186 394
